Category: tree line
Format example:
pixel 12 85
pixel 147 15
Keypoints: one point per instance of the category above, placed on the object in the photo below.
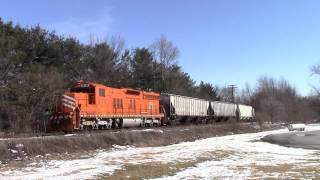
pixel 276 100
pixel 37 65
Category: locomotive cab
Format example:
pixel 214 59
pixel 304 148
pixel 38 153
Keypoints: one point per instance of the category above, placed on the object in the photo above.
pixel 66 115
pixel 87 89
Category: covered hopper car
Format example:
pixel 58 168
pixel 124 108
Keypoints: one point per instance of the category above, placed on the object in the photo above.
pixel 182 109
pixel 245 112
pixel 224 110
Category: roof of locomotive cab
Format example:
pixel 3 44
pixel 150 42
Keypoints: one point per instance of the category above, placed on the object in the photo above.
pixel 124 89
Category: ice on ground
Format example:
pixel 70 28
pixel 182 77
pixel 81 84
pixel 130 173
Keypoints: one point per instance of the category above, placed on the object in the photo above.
pixel 13 151
pixel 312 127
pixel 19 145
pixel 148 130
pixel 70 135
pixel 247 151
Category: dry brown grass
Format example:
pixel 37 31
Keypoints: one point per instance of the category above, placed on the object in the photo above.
pixel 154 170
pixel 146 171
pixel 283 171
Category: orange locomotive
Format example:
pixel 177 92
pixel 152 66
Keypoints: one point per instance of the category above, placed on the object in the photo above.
pixel 95 106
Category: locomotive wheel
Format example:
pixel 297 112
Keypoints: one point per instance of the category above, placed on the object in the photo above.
pixel 113 123
pixel 117 123
pixel 120 124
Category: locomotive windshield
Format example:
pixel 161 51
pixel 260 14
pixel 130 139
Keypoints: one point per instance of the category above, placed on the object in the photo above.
pixel 84 88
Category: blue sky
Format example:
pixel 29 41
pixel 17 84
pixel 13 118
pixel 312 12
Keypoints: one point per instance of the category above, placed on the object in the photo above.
pixel 221 41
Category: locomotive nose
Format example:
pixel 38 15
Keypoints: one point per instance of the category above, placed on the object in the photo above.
pixel 68 102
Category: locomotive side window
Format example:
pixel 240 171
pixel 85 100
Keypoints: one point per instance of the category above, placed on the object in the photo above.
pixel 102 92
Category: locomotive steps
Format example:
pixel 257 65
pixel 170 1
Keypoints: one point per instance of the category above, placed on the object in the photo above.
pixel 73 144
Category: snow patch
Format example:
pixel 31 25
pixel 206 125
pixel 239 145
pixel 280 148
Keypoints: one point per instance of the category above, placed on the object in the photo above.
pixel 148 130
pixel 13 151
pixel 247 151
pixel 67 135
pixel 313 127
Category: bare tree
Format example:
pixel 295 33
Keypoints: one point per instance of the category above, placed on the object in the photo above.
pixel 246 94
pixel 225 94
pixel 117 44
pixel 277 101
pixel 6 67
pixel 272 110
pixel 165 52
pixel 315 71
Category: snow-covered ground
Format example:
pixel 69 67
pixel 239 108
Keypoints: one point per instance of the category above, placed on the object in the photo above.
pixel 147 130
pixel 241 156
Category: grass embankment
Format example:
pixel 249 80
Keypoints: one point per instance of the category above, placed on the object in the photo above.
pixel 33 146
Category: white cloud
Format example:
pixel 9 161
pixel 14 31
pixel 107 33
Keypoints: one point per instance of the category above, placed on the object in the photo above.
pixel 85 29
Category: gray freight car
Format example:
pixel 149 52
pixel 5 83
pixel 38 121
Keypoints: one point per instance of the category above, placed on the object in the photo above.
pixel 246 112
pixel 182 109
pixel 227 111
pixel 224 110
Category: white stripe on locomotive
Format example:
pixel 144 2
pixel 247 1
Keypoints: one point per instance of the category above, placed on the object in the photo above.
pixel 68 97
pixel 69 106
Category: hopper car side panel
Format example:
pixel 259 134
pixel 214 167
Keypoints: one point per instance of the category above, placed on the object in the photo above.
pixel 245 112
pixel 187 106
pixel 224 109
